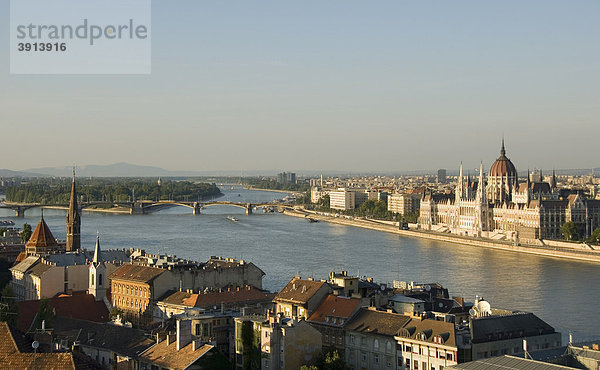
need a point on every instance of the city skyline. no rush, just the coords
(357, 88)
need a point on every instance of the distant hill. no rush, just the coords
(112, 170)
(11, 173)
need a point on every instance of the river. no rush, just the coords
(563, 293)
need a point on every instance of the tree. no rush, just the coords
(9, 309)
(327, 359)
(114, 312)
(569, 230)
(25, 233)
(45, 313)
(595, 238)
(323, 203)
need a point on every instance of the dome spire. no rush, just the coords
(502, 149)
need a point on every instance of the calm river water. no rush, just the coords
(566, 294)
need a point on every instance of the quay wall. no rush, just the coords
(548, 251)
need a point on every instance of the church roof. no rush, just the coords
(42, 236)
(503, 166)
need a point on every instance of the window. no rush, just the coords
(340, 341)
(352, 339)
(388, 346)
(100, 279)
(363, 355)
(333, 339)
(376, 344)
(450, 356)
(376, 358)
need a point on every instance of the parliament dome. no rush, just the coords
(503, 167)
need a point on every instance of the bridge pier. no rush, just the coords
(137, 209)
(196, 208)
(20, 211)
(248, 209)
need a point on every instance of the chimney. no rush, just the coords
(184, 333)
(157, 338)
(195, 345)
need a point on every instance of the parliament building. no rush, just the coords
(502, 208)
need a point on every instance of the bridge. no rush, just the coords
(141, 207)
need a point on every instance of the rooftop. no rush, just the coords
(371, 321)
(12, 355)
(81, 306)
(136, 273)
(166, 355)
(299, 290)
(230, 295)
(335, 306)
(120, 339)
(508, 362)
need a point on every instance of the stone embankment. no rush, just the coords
(547, 250)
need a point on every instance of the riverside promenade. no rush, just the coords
(548, 251)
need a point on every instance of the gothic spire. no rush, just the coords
(73, 220)
(97, 255)
(502, 149)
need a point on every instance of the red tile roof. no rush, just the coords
(334, 306)
(42, 236)
(136, 273)
(83, 307)
(299, 291)
(11, 356)
(247, 294)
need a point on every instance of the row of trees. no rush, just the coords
(109, 190)
(268, 183)
(376, 209)
(570, 232)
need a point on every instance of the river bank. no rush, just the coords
(555, 252)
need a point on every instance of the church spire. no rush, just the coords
(73, 220)
(97, 254)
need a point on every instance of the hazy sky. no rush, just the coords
(326, 85)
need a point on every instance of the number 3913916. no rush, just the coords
(42, 46)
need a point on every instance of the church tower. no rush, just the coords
(73, 221)
(97, 274)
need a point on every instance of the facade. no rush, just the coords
(342, 199)
(134, 289)
(504, 333)
(288, 344)
(370, 342)
(274, 342)
(300, 298)
(329, 319)
(73, 220)
(426, 344)
(38, 277)
(404, 204)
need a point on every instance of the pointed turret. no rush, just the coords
(459, 184)
(41, 241)
(553, 179)
(73, 220)
(502, 149)
(97, 274)
(97, 255)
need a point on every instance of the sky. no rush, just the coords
(314, 86)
